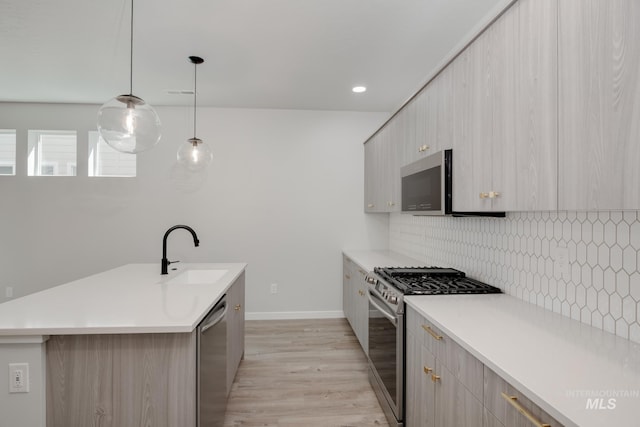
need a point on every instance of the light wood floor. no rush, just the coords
(302, 373)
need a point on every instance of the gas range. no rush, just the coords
(392, 283)
(386, 324)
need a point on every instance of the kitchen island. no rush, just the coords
(116, 348)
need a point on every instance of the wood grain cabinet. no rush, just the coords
(446, 386)
(444, 382)
(235, 328)
(505, 406)
(382, 170)
(354, 300)
(504, 97)
(427, 120)
(599, 104)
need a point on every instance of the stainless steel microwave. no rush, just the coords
(426, 185)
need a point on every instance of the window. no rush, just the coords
(7, 152)
(105, 161)
(52, 153)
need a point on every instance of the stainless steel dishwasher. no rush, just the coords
(212, 366)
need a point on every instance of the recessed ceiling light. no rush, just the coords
(359, 89)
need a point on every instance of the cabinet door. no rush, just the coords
(472, 115)
(419, 386)
(455, 405)
(525, 119)
(536, 107)
(599, 104)
(505, 113)
(409, 146)
(428, 409)
(370, 175)
(414, 401)
(505, 413)
(347, 289)
(235, 329)
(390, 167)
(443, 86)
(361, 309)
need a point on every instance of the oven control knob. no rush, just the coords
(393, 300)
(371, 280)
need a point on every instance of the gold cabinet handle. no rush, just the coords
(490, 195)
(435, 378)
(423, 148)
(237, 307)
(362, 271)
(390, 204)
(427, 370)
(431, 332)
(370, 205)
(346, 276)
(513, 401)
(361, 292)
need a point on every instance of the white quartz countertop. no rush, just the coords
(557, 362)
(134, 298)
(370, 259)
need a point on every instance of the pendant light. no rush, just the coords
(127, 123)
(195, 154)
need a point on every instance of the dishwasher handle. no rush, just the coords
(217, 319)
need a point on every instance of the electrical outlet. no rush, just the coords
(274, 288)
(18, 377)
(8, 292)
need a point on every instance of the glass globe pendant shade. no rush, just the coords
(195, 154)
(128, 124)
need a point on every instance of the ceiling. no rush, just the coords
(293, 54)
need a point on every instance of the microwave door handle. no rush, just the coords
(381, 309)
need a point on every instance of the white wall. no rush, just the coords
(23, 409)
(284, 193)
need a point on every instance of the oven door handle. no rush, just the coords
(381, 309)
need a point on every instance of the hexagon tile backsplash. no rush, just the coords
(525, 255)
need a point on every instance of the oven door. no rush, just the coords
(386, 341)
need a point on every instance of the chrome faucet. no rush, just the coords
(165, 261)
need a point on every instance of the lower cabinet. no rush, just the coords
(446, 386)
(121, 380)
(444, 382)
(355, 303)
(505, 406)
(235, 329)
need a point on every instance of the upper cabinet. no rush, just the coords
(382, 171)
(427, 120)
(504, 98)
(542, 111)
(599, 104)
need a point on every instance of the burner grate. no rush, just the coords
(433, 281)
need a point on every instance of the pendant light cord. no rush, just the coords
(195, 96)
(131, 54)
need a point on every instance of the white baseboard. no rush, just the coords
(283, 315)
